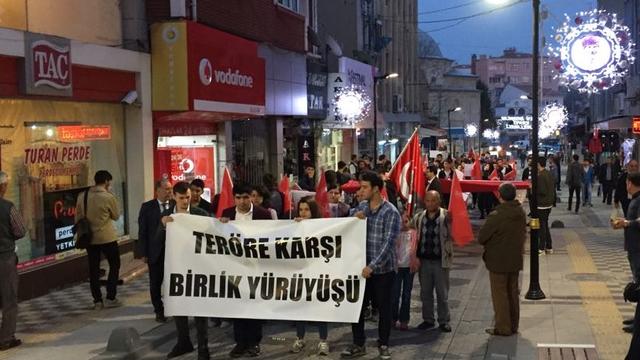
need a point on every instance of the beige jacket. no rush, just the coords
(103, 210)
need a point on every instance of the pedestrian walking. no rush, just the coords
(247, 333)
(503, 237)
(102, 209)
(435, 252)
(11, 229)
(574, 180)
(546, 199)
(184, 205)
(607, 176)
(383, 227)
(151, 249)
(631, 226)
(587, 183)
(408, 264)
(621, 196)
(309, 209)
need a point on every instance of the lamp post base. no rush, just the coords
(534, 293)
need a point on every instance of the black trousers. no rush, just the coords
(544, 241)
(112, 254)
(379, 286)
(247, 332)
(156, 276)
(184, 337)
(607, 191)
(634, 347)
(575, 189)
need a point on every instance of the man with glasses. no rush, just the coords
(247, 333)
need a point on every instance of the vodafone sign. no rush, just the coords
(225, 73)
(47, 65)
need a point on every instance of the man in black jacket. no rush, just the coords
(182, 196)
(631, 226)
(621, 195)
(575, 178)
(197, 189)
(607, 176)
(152, 251)
(247, 333)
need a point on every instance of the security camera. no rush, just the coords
(130, 98)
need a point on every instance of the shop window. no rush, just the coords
(290, 4)
(55, 148)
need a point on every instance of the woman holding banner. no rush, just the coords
(309, 209)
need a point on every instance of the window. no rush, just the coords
(512, 112)
(289, 4)
(521, 112)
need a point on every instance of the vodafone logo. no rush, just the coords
(205, 72)
(231, 77)
(186, 165)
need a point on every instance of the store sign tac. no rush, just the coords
(84, 133)
(47, 65)
(636, 125)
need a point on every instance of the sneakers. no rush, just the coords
(253, 351)
(445, 328)
(384, 352)
(323, 348)
(298, 346)
(112, 303)
(426, 325)
(98, 305)
(353, 351)
(540, 252)
(549, 251)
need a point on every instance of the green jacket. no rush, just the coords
(503, 236)
(546, 189)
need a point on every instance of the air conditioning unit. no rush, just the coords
(178, 8)
(398, 103)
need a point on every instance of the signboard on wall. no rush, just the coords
(306, 152)
(636, 125)
(47, 65)
(186, 164)
(59, 218)
(316, 90)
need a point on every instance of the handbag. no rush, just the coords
(82, 228)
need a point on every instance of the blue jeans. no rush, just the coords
(402, 291)
(586, 196)
(301, 329)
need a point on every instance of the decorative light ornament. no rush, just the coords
(351, 103)
(553, 118)
(470, 130)
(594, 51)
(491, 134)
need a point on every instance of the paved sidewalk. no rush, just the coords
(582, 281)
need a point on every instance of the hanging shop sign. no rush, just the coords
(316, 90)
(636, 125)
(47, 65)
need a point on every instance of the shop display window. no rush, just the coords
(51, 150)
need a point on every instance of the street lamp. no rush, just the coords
(535, 292)
(451, 154)
(375, 111)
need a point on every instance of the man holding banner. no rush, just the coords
(182, 197)
(247, 333)
(383, 227)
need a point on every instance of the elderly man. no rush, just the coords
(503, 237)
(435, 251)
(11, 229)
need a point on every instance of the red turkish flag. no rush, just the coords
(510, 176)
(460, 225)
(322, 197)
(472, 154)
(226, 193)
(285, 189)
(408, 173)
(476, 171)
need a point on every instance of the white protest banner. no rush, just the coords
(265, 269)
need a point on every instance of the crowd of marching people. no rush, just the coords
(402, 238)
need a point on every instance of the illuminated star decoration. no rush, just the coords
(491, 134)
(552, 118)
(351, 103)
(470, 130)
(594, 51)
